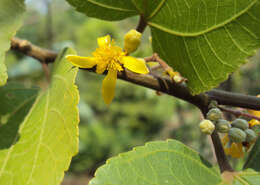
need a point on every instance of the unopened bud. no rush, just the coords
(177, 78)
(132, 41)
(214, 114)
(207, 127)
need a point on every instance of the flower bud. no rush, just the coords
(240, 123)
(223, 126)
(207, 127)
(250, 135)
(214, 114)
(237, 135)
(132, 40)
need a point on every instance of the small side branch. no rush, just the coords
(238, 113)
(27, 48)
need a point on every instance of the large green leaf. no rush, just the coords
(158, 163)
(248, 177)
(16, 101)
(253, 160)
(206, 40)
(105, 9)
(11, 15)
(48, 137)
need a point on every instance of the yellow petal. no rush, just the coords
(135, 65)
(103, 41)
(236, 150)
(83, 62)
(108, 86)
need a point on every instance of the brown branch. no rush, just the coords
(27, 48)
(238, 113)
(220, 154)
(159, 83)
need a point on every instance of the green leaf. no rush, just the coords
(11, 16)
(48, 135)
(16, 101)
(158, 163)
(247, 177)
(253, 160)
(111, 10)
(206, 40)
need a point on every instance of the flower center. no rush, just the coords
(108, 57)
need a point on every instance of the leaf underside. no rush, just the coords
(204, 40)
(11, 16)
(48, 136)
(161, 162)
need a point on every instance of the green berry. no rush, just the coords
(214, 114)
(240, 123)
(237, 135)
(223, 126)
(250, 135)
(213, 104)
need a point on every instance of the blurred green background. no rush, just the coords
(137, 114)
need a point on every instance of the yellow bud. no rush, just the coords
(132, 41)
(177, 78)
(207, 127)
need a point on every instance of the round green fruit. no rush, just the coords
(240, 123)
(250, 135)
(214, 114)
(223, 126)
(237, 135)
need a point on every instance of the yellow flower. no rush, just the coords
(235, 150)
(112, 58)
(253, 122)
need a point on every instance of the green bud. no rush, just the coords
(223, 126)
(250, 135)
(240, 123)
(237, 135)
(207, 127)
(213, 104)
(214, 114)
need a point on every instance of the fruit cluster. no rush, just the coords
(238, 130)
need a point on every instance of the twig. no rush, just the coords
(220, 154)
(46, 71)
(238, 113)
(159, 83)
(29, 49)
(141, 25)
(155, 58)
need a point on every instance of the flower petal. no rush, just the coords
(103, 41)
(83, 62)
(135, 65)
(236, 150)
(108, 86)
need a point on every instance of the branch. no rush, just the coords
(238, 113)
(159, 83)
(27, 48)
(141, 25)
